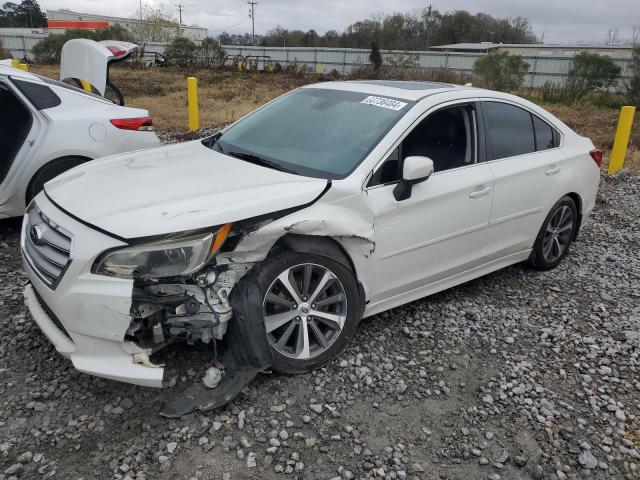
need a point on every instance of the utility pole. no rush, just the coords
(427, 26)
(140, 10)
(180, 10)
(30, 8)
(252, 16)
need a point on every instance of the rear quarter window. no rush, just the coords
(40, 96)
(546, 136)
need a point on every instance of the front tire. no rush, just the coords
(555, 235)
(311, 307)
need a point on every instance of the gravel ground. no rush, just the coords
(517, 375)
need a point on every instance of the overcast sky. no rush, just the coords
(559, 20)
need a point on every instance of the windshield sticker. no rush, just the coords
(384, 103)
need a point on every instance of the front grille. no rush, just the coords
(56, 321)
(46, 246)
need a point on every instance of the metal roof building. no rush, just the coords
(538, 49)
(60, 20)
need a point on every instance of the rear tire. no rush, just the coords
(327, 314)
(555, 236)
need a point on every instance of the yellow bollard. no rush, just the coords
(192, 99)
(623, 132)
(86, 85)
(23, 66)
(319, 69)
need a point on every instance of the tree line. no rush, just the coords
(26, 14)
(401, 31)
(397, 31)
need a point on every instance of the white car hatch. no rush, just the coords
(89, 60)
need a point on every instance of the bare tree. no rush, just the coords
(613, 36)
(157, 25)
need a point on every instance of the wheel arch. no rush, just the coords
(578, 201)
(51, 164)
(320, 245)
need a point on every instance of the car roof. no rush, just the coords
(403, 89)
(18, 73)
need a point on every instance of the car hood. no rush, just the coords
(174, 189)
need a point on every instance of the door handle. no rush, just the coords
(552, 170)
(481, 191)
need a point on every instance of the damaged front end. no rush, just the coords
(180, 294)
(198, 309)
(189, 309)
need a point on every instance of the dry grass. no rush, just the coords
(599, 124)
(225, 96)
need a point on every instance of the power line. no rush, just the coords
(252, 16)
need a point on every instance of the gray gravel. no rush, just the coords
(517, 375)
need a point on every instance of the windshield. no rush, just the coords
(315, 132)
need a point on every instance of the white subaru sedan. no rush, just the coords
(331, 203)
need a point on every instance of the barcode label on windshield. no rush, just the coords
(384, 103)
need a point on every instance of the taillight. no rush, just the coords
(596, 154)
(116, 51)
(141, 124)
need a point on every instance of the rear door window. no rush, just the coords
(509, 130)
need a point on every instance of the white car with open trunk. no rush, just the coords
(48, 127)
(334, 202)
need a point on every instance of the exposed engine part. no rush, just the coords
(158, 334)
(196, 310)
(206, 279)
(212, 377)
(191, 306)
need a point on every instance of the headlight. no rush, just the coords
(171, 257)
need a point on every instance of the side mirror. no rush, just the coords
(414, 170)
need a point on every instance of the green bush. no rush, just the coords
(48, 49)
(4, 53)
(181, 51)
(501, 71)
(211, 51)
(590, 72)
(375, 57)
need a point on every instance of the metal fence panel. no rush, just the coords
(542, 68)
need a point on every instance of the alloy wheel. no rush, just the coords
(304, 311)
(557, 235)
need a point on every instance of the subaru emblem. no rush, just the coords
(36, 235)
